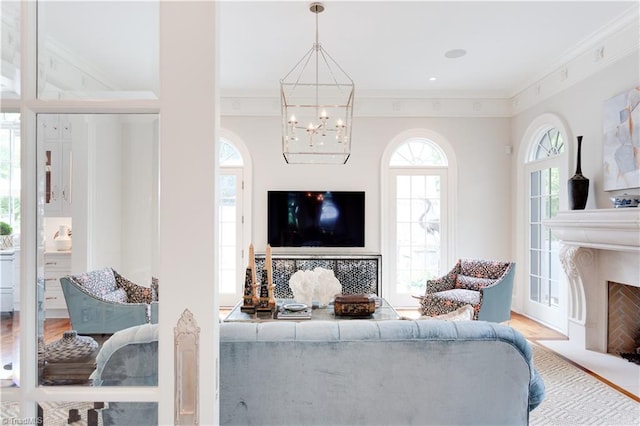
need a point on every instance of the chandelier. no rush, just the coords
(317, 108)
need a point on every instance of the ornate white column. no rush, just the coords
(587, 312)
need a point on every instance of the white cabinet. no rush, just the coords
(55, 136)
(56, 266)
(7, 280)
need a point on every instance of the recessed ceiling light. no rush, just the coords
(455, 53)
(432, 78)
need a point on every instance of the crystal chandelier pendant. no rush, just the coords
(317, 99)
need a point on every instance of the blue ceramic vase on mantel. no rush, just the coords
(578, 185)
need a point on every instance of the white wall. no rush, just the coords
(105, 201)
(139, 200)
(581, 107)
(482, 217)
(122, 194)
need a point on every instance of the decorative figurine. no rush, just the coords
(249, 299)
(271, 286)
(266, 300)
(263, 299)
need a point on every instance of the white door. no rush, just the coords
(231, 273)
(546, 298)
(416, 212)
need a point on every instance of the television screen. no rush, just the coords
(315, 218)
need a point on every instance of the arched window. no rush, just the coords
(545, 172)
(233, 225)
(417, 207)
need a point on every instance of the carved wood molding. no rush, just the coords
(186, 369)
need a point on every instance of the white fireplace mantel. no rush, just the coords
(597, 246)
(606, 229)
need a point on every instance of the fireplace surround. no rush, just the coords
(597, 247)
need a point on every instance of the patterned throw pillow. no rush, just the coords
(135, 293)
(118, 296)
(483, 268)
(464, 313)
(99, 282)
(473, 283)
(155, 286)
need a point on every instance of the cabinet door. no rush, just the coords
(57, 265)
(66, 178)
(52, 179)
(55, 135)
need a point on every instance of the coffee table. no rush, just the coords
(384, 311)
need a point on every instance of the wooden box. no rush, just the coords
(360, 305)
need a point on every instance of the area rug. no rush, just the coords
(54, 414)
(577, 398)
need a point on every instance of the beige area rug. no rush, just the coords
(577, 398)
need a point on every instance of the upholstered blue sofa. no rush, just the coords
(349, 372)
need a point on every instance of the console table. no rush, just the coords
(358, 274)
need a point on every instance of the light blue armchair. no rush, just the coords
(486, 285)
(103, 302)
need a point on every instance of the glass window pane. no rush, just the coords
(535, 262)
(229, 155)
(418, 152)
(403, 233)
(534, 288)
(10, 39)
(10, 252)
(535, 210)
(418, 186)
(403, 212)
(106, 179)
(403, 186)
(536, 238)
(98, 49)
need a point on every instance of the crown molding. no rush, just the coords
(602, 49)
(589, 58)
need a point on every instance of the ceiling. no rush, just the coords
(389, 48)
(393, 47)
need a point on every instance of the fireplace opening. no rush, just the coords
(623, 312)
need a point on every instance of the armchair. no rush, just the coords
(484, 284)
(103, 302)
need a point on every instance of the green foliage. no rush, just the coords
(5, 228)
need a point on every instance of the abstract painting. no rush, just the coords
(621, 141)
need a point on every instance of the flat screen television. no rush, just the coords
(315, 218)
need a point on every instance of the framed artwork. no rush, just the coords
(621, 141)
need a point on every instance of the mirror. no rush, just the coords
(98, 248)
